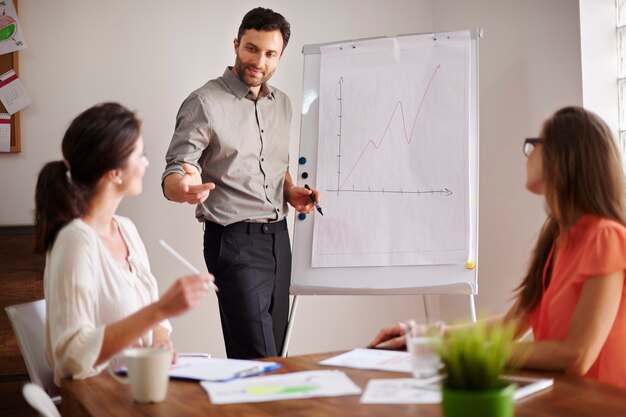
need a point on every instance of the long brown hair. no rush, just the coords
(583, 174)
(98, 140)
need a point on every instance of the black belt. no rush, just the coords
(249, 227)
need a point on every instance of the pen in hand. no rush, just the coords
(184, 261)
(313, 199)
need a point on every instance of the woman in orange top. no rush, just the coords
(573, 296)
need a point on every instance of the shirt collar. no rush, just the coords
(241, 90)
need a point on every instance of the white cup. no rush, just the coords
(147, 370)
(420, 337)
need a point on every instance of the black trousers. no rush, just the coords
(251, 263)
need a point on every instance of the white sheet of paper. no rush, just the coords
(392, 160)
(12, 93)
(527, 385)
(216, 369)
(5, 132)
(307, 384)
(400, 391)
(380, 360)
(414, 391)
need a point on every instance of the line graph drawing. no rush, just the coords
(443, 191)
(392, 158)
(376, 144)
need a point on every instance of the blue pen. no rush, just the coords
(313, 199)
(255, 370)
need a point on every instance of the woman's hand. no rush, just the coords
(186, 293)
(161, 339)
(391, 337)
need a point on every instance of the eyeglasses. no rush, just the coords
(530, 144)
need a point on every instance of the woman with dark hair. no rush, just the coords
(100, 294)
(573, 296)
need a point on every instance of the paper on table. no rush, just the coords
(381, 360)
(527, 385)
(414, 391)
(216, 369)
(400, 391)
(295, 385)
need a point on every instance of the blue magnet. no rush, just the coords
(302, 160)
(301, 216)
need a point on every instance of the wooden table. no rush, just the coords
(103, 396)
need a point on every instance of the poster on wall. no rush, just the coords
(11, 38)
(5, 132)
(13, 95)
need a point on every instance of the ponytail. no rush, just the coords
(58, 201)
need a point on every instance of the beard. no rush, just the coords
(244, 76)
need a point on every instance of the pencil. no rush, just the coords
(183, 261)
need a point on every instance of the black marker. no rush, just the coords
(313, 199)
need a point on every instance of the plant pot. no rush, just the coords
(492, 403)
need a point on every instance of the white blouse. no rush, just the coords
(86, 289)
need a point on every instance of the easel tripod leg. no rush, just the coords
(472, 307)
(292, 314)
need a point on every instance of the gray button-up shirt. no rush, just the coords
(239, 143)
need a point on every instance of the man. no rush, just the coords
(229, 155)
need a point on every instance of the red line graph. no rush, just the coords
(408, 137)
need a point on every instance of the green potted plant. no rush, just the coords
(474, 359)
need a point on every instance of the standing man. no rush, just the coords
(229, 155)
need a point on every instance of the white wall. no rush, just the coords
(599, 59)
(529, 67)
(150, 54)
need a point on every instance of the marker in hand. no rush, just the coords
(313, 199)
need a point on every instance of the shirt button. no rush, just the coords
(262, 159)
(266, 186)
(262, 131)
(266, 228)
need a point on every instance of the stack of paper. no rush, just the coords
(201, 368)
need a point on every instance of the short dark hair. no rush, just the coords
(265, 19)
